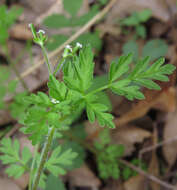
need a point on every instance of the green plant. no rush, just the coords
(57, 21)
(47, 117)
(107, 156)
(136, 21)
(155, 49)
(128, 172)
(7, 19)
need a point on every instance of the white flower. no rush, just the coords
(79, 45)
(54, 101)
(41, 31)
(29, 25)
(69, 47)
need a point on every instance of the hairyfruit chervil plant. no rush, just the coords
(49, 115)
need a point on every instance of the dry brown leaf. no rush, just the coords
(167, 101)
(128, 136)
(164, 101)
(83, 177)
(37, 6)
(114, 185)
(5, 117)
(158, 28)
(160, 9)
(170, 131)
(172, 6)
(7, 184)
(2, 2)
(20, 32)
(91, 128)
(56, 8)
(23, 181)
(135, 183)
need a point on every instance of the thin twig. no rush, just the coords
(72, 38)
(150, 148)
(147, 175)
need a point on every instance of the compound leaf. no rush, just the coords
(72, 7)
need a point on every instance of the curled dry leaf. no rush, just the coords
(135, 183)
(7, 184)
(167, 101)
(170, 131)
(128, 136)
(83, 177)
(164, 100)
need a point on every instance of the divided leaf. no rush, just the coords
(72, 7)
(107, 156)
(58, 159)
(7, 17)
(11, 156)
(142, 75)
(124, 88)
(155, 49)
(57, 89)
(78, 73)
(120, 68)
(98, 111)
(57, 21)
(137, 17)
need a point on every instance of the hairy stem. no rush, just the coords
(59, 66)
(43, 158)
(98, 90)
(46, 59)
(32, 167)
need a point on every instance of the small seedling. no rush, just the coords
(136, 21)
(155, 49)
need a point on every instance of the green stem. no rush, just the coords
(24, 165)
(58, 68)
(32, 167)
(43, 158)
(46, 59)
(98, 90)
